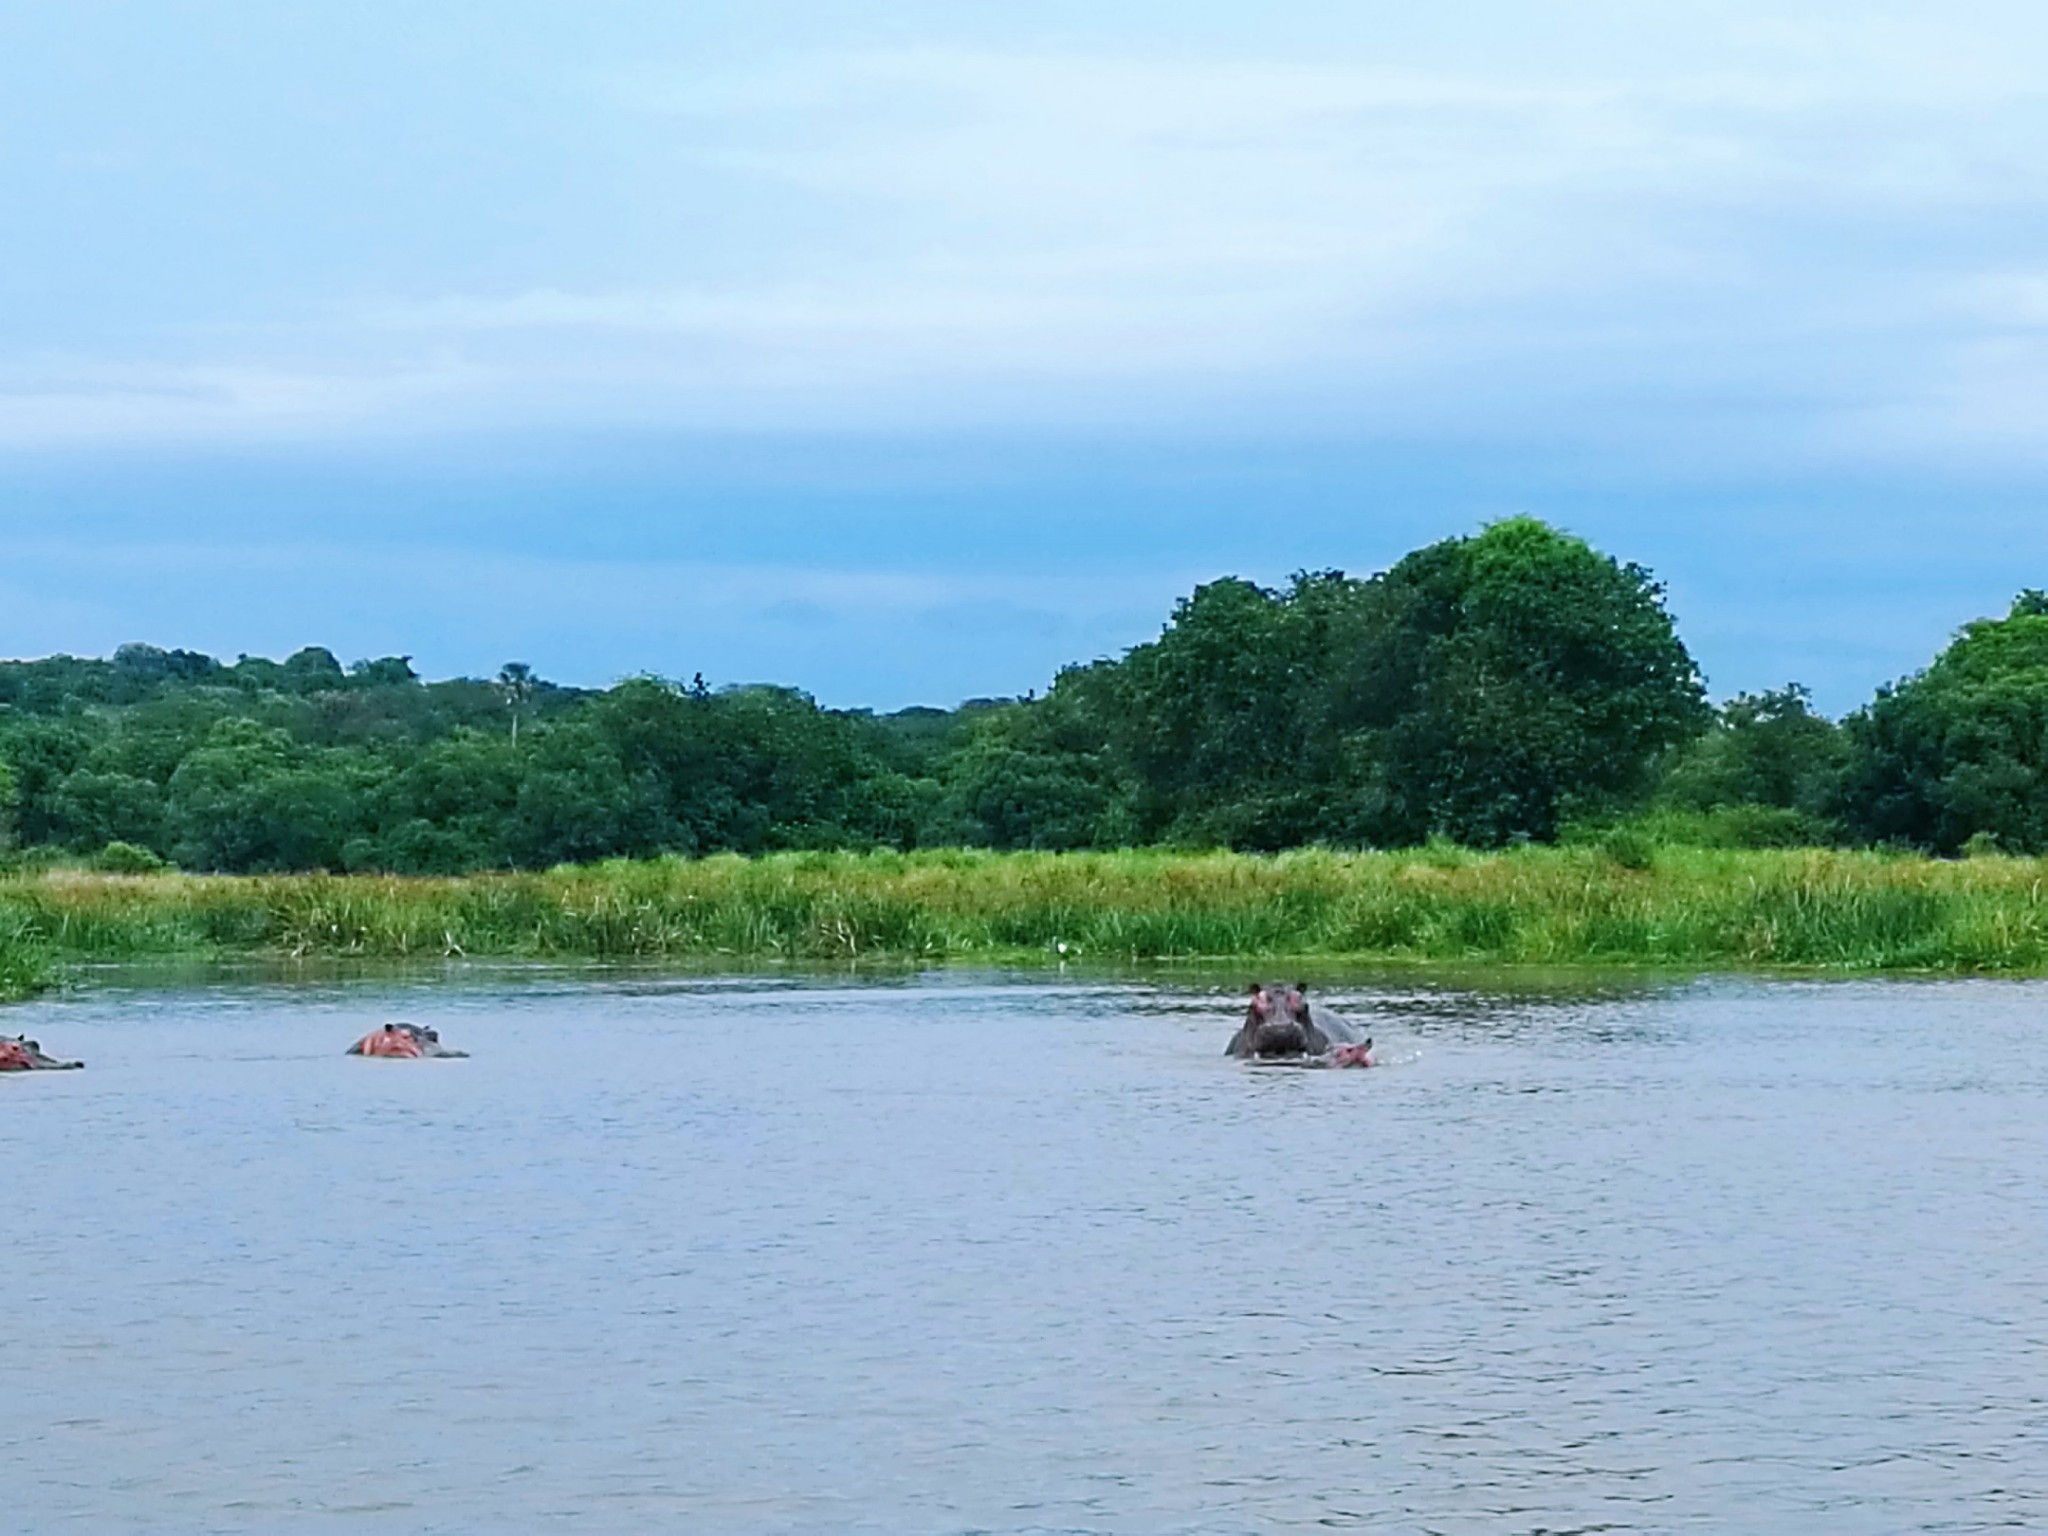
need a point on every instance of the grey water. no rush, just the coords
(960, 1254)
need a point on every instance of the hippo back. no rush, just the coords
(1335, 1027)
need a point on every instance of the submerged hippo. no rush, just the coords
(403, 1041)
(1281, 1024)
(18, 1053)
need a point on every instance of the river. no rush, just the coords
(973, 1253)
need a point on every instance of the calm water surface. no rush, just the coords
(966, 1254)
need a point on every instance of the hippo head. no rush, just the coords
(427, 1038)
(18, 1053)
(1277, 1022)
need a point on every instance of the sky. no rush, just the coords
(907, 351)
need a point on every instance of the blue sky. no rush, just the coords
(907, 351)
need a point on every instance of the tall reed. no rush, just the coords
(1542, 906)
(26, 964)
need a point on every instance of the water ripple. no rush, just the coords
(949, 1255)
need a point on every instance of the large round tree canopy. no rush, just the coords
(1960, 750)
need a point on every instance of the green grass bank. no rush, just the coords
(1820, 910)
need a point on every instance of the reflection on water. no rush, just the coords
(958, 1254)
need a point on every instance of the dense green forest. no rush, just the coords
(1514, 686)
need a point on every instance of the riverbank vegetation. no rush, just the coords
(1514, 687)
(1608, 903)
(26, 963)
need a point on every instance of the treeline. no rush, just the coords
(1513, 686)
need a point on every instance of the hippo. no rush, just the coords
(402, 1042)
(1281, 1024)
(18, 1053)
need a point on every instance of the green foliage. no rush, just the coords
(27, 965)
(1962, 748)
(127, 859)
(1767, 773)
(1479, 690)
(1045, 774)
(1547, 677)
(1226, 720)
(1510, 687)
(314, 670)
(104, 806)
(251, 798)
(1756, 826)
(1629, 847)
(1483, 689)
(302, 765)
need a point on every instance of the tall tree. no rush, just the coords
(1541, 675)
(516, 682)
(1480, 689)
(1961, 749)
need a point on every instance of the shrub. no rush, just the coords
(119, 858)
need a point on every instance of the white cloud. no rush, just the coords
(934, 235)
(2016, 299)
(57, 403)
(1408, 243)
